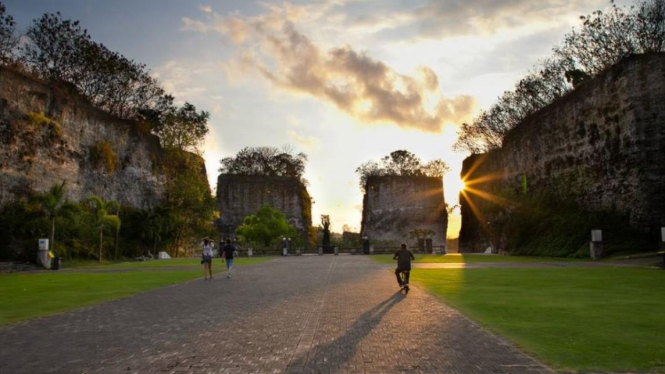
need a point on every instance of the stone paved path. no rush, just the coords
(309, 314)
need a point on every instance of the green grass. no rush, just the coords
(174, 262)
(468, 258)
(26, 296)
(605, 319)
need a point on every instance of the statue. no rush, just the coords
(325, 222)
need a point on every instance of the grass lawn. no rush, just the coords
(26, 296)
(174, 262)
(605, 319)
(455, 258)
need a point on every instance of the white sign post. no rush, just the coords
(42, 254)
(596, 246)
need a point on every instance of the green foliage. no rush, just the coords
(8, 38)
(61, 50)
(38, 119)
(547, 225)
(400, 163)
(265, 161)
(181, 128)
(102, 154)
(266, 227)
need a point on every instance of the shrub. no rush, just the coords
(102, 154)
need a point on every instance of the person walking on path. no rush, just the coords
(227, 254)
(403, 257)
(207, 258)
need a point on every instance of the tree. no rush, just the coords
(400, 163)
(182, 128)
(53, 203)
(102, 217)
(153, 226)
(61, 50)
(265, 227)
(8, 39)
(266, 161)
(604, 39)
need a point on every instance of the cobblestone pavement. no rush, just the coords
(308, 314)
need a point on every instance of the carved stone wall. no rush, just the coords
(602, 145)
(47, 134)
(395, 205)
(239, 196)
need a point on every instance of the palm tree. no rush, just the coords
(53, 203)
(152, 226)
(103, 218)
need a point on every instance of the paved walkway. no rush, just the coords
(309, 314)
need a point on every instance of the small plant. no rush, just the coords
(39, 119)
(102, 154)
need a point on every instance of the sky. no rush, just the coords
(344, 81)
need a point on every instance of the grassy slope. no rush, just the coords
(572, 318)
(26, 296)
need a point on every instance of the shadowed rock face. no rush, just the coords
(36, 154)
(602, 145)
(395, 205)
(239, 196)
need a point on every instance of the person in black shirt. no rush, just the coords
(227, 254)
(403, 257)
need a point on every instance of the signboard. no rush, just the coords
(43, 244)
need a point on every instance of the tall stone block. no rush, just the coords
(239, 196)
(602, 145)
(395, 205)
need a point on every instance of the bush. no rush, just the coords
(102, 154)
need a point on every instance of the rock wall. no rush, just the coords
(239, 196)
(395, 205)
(602, 145)
(49, 134)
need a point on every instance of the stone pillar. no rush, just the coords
(336, 251)
(250, 252)
(320, 251)
(596, 246)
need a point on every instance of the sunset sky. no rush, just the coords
(344, 81)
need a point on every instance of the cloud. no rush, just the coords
(307, 142)
(436, 19)
(363, 87)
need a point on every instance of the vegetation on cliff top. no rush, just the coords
(400, 163)
(265, 161)
(55, 49)
(604, 39)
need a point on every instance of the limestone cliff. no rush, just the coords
(50, 134)
(239, 196)
(602, 145)
(393, 206)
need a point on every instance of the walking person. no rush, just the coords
(403, 257)
(227, 255)
(207, 258)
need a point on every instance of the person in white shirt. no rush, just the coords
(207, 258)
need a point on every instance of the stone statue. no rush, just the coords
(325, 222)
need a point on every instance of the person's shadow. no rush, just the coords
(341, 350)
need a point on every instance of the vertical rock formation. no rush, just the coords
(602, 146)
(239, 196)
(49, 133)
(393, 206)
